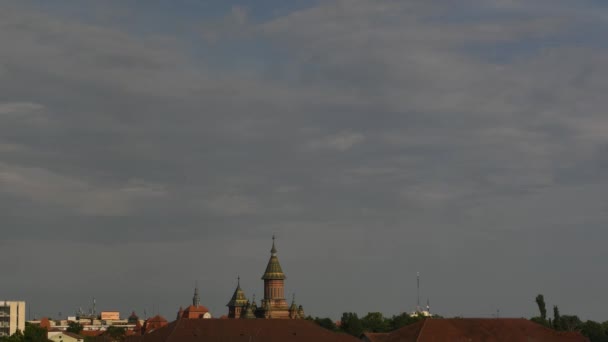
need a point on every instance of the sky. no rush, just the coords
(149, 145)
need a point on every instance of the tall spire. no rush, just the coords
(196, 300)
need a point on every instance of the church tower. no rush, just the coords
(274, 303)
(238, 302)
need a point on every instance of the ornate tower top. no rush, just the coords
(273, 269)
(196, 300)
(238, 298)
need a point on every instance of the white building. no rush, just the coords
(12, 317)
(62, 336)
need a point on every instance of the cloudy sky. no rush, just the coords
(146, 145)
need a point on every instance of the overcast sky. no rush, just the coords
(146, 145)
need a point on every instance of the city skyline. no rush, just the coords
(145, 147)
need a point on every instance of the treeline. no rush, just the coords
(32, 333)
(350, 322)
(595, 331)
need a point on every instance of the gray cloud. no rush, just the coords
(386, 139)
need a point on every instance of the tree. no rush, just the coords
(116, 333)
(74, 327)
(571, 322)
(374, 322)
(540, 301)
(16, 337)
(557, 320)
(402, 320)
(594, 331)
(34, 333)
(326, 323)
(351, 324)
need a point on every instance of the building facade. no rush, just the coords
(12, 317)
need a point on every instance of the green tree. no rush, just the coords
(116, 333)
(374, 322)
(557, 319)
(399, 321)
(16, 337)
(540, 301)
(326, 323)
(74, 327)
(594, 331)
(34, 333)
(571, 323)
(538, 320)
(351, 324)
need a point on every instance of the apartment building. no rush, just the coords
(12, 317)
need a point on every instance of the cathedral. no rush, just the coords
(274, 304)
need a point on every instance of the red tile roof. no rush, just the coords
(242, 330)
(375, 337)
(91, 333)
(199, 308)
(154, 323)
(476, 330)
(193, 312)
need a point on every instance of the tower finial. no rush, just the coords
(238, 281)
(273, 251)
(196, 300)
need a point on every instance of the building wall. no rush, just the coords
(12, 317)
(274, 289)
